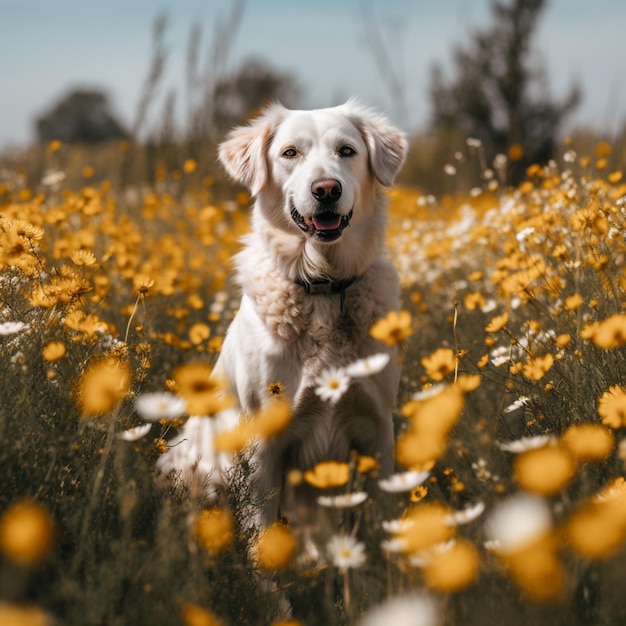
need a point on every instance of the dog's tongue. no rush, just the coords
(326, 221)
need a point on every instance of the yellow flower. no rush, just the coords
(437, 414)
(440, 363)
(545, 470)
(588, 442)
(189, 166)
(83, 257)
(328, 474)
(19, 615)
(415, 449)
(26, 533)
(392, 329)
(615, 177)
(103, 386)
(612, 407)
(214, 529)
(195, 616)
(574, 302)
(234, 440)
(468, 382)
(205, 392)
(54, 351)
(276, 547)
(143, 284)
(563, 340)
(424, 526)
(497, 323)
(597, 529)
(453, 568)
(366, 464)
(611, 332)
(198, 333)
(516, 152)
(536, 568)
(474, 301)
(275, 389)
(536, 368)
(272, 419)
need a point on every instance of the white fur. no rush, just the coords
(282, 334)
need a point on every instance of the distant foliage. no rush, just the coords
(82, 116)
(498, 95)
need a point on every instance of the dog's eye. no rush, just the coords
(347, 151)
(290, 153)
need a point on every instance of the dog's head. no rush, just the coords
(318, 169)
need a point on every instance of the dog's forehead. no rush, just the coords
(318, 125)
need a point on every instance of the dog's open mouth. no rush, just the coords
(325, 226)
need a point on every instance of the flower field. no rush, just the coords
(509, 501)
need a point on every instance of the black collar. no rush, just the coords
(323, 286)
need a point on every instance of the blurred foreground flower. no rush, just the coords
(103, 386)
(214, 529)
(26, 533)
(158, 405)
(196, 616)
(271, 419)
(328, 474)
(205, 392)
(544, 470)
(410, 610)
(520, 529)
(276, 547)
(15, 615)
(452, 569)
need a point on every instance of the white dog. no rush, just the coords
(314, 279)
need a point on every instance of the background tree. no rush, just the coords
(82, 116)
(252, 86)
(498, 95)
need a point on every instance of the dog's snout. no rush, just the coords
(326, 190)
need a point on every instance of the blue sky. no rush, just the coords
(49, 46)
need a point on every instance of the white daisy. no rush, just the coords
(368, 366)
(517, 521)
(332, 384)
(10, 328)
(467, 515)
(344, 501)
(133, 434)
(396, 526)
(346, 552)
(519, 403)
(394, 545)
(404, 481)
(410, 610)
(525, 443)
(159, 405)
(429, 392)
(421, 559)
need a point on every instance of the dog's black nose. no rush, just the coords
(326, 190)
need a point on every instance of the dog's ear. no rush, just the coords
(244, 152)
(387, 145)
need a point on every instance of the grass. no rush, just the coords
(511, 405)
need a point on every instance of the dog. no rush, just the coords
(314, 278)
